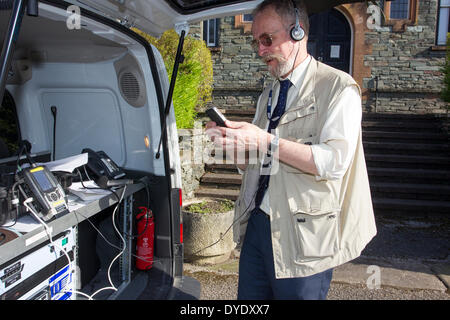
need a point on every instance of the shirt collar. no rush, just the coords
(298, 74)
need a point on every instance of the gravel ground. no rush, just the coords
(340, 291)
(223, 286)
(216, 286)
(418, 239)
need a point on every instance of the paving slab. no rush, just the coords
(398, 273)
(442, 270)
(372, 272)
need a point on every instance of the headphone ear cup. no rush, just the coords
(297, 33)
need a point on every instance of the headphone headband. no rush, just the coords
(297, 32)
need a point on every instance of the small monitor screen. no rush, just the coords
(42, 180)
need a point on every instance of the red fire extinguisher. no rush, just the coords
(145, 239)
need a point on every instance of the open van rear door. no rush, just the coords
(156, 16)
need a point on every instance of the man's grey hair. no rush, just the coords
(285, 9)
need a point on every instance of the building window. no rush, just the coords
(211, 32)
(244, 21)
(399, 9)
(247, 17)
(400, 13)
(443, 25)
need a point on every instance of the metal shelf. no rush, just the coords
(28, 241)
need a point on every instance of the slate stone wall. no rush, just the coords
(405, 69)
(406, 66)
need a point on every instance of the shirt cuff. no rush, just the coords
(330, 160)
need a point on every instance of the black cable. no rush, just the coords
(18, 159)
(232, 224)
(129, 236)
(24, 145)
(54, 111)
(96, 188)
(14, 197)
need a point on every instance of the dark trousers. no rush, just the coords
(257, 273)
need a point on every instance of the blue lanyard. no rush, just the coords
(269, 106)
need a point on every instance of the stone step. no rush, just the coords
(416, 191)
(407, 159)
(410, 206)
(404, 137)
(221, 168)
(237, 111)
(437, 149)
(408, 175)
(391, 175)
(222, 178)
(231, 194)
(385, 116)
(383, 160)
(246, 112)
(400, 126)
(380, 175)
(382, 204)
(372, 160)
(240, 118)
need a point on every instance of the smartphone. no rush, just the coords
(215, 115)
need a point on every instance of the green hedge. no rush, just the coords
(193, 86)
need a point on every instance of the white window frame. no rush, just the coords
(211, 41)
(443, 18)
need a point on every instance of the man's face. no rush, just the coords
(280, 54)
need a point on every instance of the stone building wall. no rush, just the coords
(191, 169)
(239, 75)
(196, 149)
(406, 67)
(398, 71)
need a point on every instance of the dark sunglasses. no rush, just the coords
(266, 39)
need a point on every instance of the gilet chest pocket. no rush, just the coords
(317, 235)
(299, 122)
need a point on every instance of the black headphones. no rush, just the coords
(297, 32)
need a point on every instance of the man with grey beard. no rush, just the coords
(305, 204)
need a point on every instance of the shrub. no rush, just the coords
(193, 86)
(211, 206)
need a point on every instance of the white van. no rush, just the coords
(81, 90)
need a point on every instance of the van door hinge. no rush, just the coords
(182, 26)
(127, 22)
